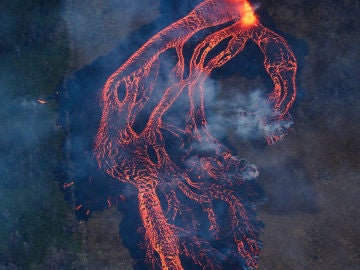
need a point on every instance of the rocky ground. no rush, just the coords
(314, 223)
(96, 27)
(42, 42)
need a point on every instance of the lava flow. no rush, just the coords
(197, 208)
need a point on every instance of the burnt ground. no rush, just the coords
(312, 217)
(311, 178)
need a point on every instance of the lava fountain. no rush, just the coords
(169, 190)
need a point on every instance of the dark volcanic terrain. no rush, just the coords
(311, 178)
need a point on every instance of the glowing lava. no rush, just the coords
(246, 12)
(42, 101)
(206, 174)
(248, 17)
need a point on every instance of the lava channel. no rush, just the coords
(196, 207)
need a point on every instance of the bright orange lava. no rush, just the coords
(247, 14)
(245, 11)
(206, 178)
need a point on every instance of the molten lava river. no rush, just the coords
(195, 197)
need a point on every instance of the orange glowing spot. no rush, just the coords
(247, 15)
(77, 208)
(109, 203)
(67, 185)
(42, 101)
(87, 212)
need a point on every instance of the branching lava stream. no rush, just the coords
(208, 178)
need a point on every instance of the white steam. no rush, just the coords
(247, 115)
